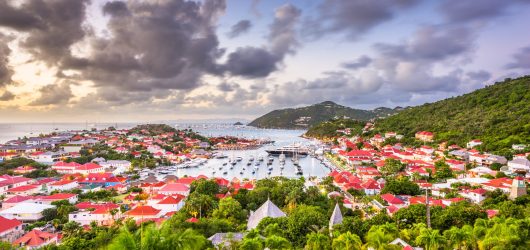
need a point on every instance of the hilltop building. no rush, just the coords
(518, 187)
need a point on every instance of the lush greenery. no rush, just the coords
(329, 128)
(462, 225)
(287, 118)
(497, 114)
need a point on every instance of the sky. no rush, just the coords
(149, 60)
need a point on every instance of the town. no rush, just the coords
(62, 186)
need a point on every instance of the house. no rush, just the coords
(393, 200)
(10, 229)
(174, 188)
(62, 185)
(371, 187)
(24, 169)
(424, 136)
(170, 203)
(474, 143)
(143, 212)
(102, 214)
(71, 198)
(7, 203)
(25, 211)
(268, 209)
(35, 239)
(24, 190)
(475, 195)
(7, 182)
(519, 164)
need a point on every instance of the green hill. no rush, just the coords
(305, 117)
(498, 114)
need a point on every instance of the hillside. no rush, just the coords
(305, 117)
(330, 129)
(499, 115)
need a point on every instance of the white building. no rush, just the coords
(25, 211)
(519, 164)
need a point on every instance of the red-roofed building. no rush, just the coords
(393, 200)
(371, 187)
(15, 200)
(174, 188)
(36, 239)
(71, 198)
(24, 190)
(101, 213)
(142, 212)
(62, 185)
(10, 229)
(425, 136)
(170, 204)
(24, 169)
(475, 195)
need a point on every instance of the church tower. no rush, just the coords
(518, 187)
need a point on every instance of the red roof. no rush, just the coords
(174, 187)
(192, 220)
(58, 196)
(34, 238)
(22, 188)
(391, 199)
(7, 224)
(170, 200)
(17, 199)
(143, 210)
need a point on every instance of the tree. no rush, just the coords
(277, 242)
(392, 167)
(251, 244)
(401, 186)
(458, 237)
(301, 220)
(347, 241)
(431, 239)
(443, 171)
(317, 241)
(204, 186)
(231, 210)
(151, 237)
(377, 239)
(49, 214)
(200, 204)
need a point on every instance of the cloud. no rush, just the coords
(7, 96)
(52, 27)
(475, 10)
(352, 18)
(253, 62)
(521, 59)
(339, 86)
(361, 62)
(153, 45)
(227, 87)
(239, 28)
(254, 8)
(5, 70)
(54, 94)
(431, 43)
(480, 75)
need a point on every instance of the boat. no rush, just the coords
(281, 157)
(233, 163)
(269, 173)
(289, 150)
(260, 158)
(220, 156)
(239, 158)
(251, 158)
(249, 163)
(224, 164)
(225, 173)
(270, 168)
(241, 172)
(221, 168)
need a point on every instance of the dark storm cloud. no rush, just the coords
(153, 45)
(480, 75)
(54, 94)
(5, 70)
(521, 59)
(227, 87)
(353, 18)
(472, 10)
(253, 62)
(361, 62)
(7, 96)
(51, 26)
(239, 28)
(432, 43)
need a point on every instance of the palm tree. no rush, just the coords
(317, 241)
(377, 238)
(456, 237)
(431, 239)
(151, 237)
(347, 241)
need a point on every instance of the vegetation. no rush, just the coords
(498, 115)
(292, 118)
(328, 129)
